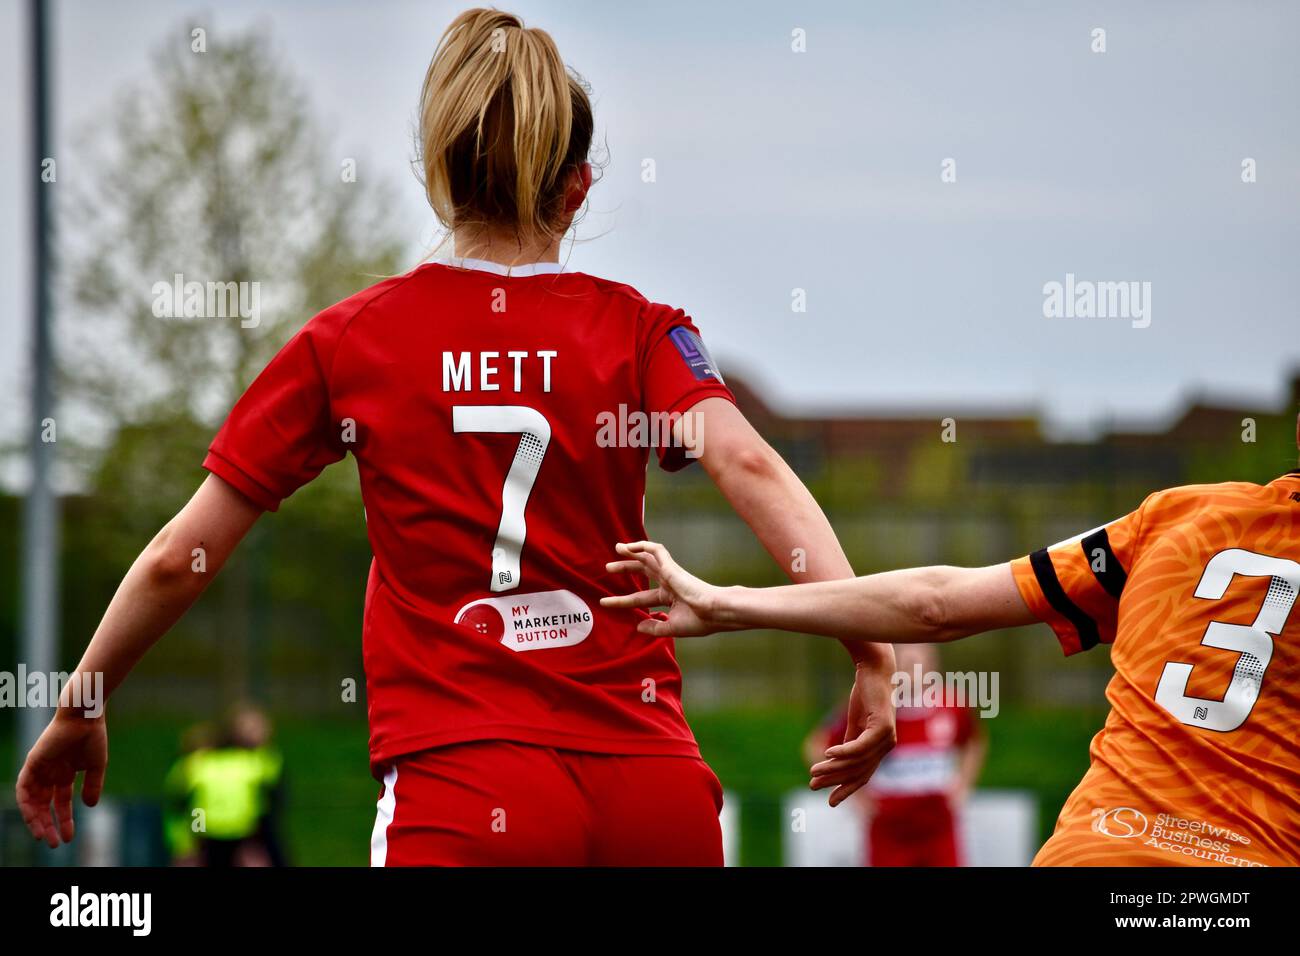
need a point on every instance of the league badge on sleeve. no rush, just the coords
(694, 354)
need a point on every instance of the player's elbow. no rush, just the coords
(751, 463)
(932, 610)
(168, 565)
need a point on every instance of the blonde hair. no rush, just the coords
(502, 121)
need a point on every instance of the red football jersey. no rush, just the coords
(501, 425)
(926, 757)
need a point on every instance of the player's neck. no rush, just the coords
(503, 248)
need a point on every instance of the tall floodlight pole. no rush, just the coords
(40, 512)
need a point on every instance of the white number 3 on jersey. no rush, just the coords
(1253, 643)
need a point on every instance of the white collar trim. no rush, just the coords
(523, 269)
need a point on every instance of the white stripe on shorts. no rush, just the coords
(383, 817)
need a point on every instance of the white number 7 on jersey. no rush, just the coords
(534, 437)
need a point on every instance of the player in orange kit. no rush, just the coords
(1199, 760)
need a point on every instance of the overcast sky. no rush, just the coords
(821, 171)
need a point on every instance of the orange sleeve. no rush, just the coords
(1075, 586)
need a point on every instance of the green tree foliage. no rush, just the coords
(213, 169)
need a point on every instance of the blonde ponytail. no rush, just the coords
(501, 123)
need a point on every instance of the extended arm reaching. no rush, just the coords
(916, 605)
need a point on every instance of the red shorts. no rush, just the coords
(498, 803)
(920, 831)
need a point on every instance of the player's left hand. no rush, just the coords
(71, 744)
(869, 736)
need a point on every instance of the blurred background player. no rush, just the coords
(1199, 760)
(911, 808)
(180, 835)
(223, 797)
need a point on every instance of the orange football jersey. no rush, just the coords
(1199, 759)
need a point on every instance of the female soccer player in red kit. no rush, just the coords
(513, 720)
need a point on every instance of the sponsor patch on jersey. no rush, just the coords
(529, 622)
(694, 354)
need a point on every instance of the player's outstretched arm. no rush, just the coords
(163, 582)
(918, 605)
